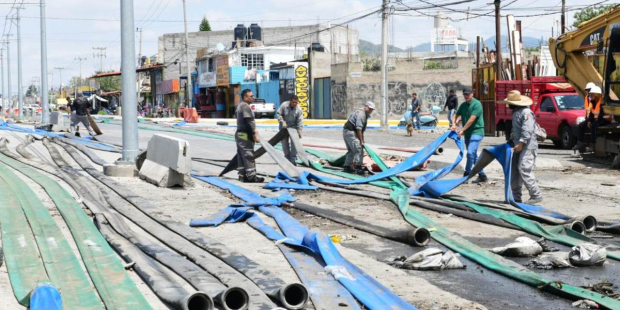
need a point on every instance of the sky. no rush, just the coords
(75, 27)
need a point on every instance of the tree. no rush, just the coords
(32, 91)
(75, 81)
(590, 13)
(204, 25)
(109, 83)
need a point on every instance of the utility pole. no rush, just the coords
(384, 73)
(8, 74)
(80, 59)
(20, 90)
(563, 17)
(140, 46)
(2, 77)
(188, 91)
(128, 76)
(498, 42)
(101, 54)
(60, 74)
(45, 117)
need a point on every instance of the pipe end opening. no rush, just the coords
(578, 227)
(590, 223)
(419, 237)
(294, 296)
(235, 298)
(199, 301)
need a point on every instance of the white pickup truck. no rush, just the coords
(261, 108)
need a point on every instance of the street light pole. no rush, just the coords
(45, 117)
(384, 73)
(20, 91)
(188, 92)
(128, 76)
(498, 44)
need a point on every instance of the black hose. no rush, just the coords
(143, 217)
(232, 165)
(197, 277)
(21, 148)
(413, 237)
(153, 275)
(474, 216)
(90, 154)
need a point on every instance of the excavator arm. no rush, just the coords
(569, 56)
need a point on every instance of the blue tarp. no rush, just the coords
(45, 297)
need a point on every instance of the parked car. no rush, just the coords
(263, 109)
(557, 107)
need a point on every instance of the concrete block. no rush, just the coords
(56, 118)
(120, 170)
(159, 175)
(170, 152)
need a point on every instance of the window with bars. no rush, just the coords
(253, 61)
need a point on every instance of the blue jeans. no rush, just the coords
(417, 119)
(450, 114)
(472, 142)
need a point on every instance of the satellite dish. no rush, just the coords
(220, 47)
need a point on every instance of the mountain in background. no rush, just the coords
(375, 49)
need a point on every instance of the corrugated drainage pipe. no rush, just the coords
(576, 226)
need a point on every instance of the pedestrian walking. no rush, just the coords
(245, 138)
(469, 116)
(353, 135)
(291, 116)
(82, 108)
(415, 111)
(452, 103)
(525, 148)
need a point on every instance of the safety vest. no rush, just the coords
(587, 105)
(596, 110)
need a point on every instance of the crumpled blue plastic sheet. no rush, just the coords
(365, 288)
(284, 181)
(17, 128)
(45, 297)
(250, 198)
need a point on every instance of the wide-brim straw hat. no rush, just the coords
(515, 98)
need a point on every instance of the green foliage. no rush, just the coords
(75, 81)
(590, 13)
(204, 25)
(102, 112)
(32, 91)
(109, 83)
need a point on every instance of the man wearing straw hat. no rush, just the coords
(525, 147)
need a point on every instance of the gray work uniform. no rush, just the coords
(294, 118)
(357, 121)
(523, 124)
(81, 106)
(244, 138)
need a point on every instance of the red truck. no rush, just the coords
(557, 106)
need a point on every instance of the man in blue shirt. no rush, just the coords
(415, 111)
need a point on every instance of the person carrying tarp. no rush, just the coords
(82, 108)
(525, 148)
(245, 138)
(470, 115)
(353, 134)
(290, 115)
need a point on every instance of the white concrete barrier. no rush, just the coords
(56, 118)
(167, 161)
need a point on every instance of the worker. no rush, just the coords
(290, 115)
(415, 111)
(595, 118)
(525, 148)
(82, 108)
(70, 109)
(245, 138)
(469, 116)
(586, 100)
(353, 134)
(452, 102)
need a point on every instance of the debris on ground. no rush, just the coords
(550, 261)
(588, 254)
(429, 259)
(604, 288)
(585, 304)
(522, 247)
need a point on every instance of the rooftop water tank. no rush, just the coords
(240, 32)
(255, 32)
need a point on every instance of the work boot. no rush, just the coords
(348, 170)
(578, 146)
(361, 172)
(255, 179)
(465, 174)
(534, 201)
(482, 178)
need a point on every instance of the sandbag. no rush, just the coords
(550, 261)
(522, 247)
(588, 254)
(429, 259)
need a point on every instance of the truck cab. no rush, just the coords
(558, 108)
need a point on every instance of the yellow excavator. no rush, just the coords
(591, 53)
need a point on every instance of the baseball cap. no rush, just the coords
(466, 90)
(369, 104)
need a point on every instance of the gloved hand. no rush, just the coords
(284, 126)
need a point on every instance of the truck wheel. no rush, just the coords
(567, 138)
